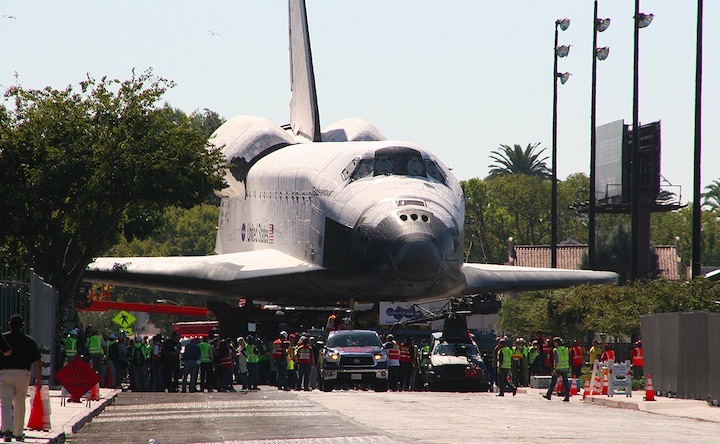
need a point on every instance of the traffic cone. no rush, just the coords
(597, 385)
(574, 387)
(586, 389)
(605, 382)
(649, 390)
(108, 378)
(95, 392)
(559, 387)
(37, 420)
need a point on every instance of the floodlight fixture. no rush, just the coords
(602, 53)
(564, 24)
(563, 76)
(602, 24)
(644, 20)
(562, 51)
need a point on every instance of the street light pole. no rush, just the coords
(562, 51)
(697, 192)
(641, 21)
(598, 26)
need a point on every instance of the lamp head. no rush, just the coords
(602, 53)
(563, 23)
(563, 76)
(562, 51)
(644, 20)
(602, 24)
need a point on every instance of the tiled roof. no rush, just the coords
(569, 257)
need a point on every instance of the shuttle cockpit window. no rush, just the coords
(397, 161)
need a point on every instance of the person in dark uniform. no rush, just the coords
(15, 376)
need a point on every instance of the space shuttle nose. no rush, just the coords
(418, 260)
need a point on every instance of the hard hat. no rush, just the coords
(74, 331)
(283, 334)
(112, 336)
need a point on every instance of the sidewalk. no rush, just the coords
(67, 419)
(681, 408)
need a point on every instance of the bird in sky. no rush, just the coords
(9, 16)
(214, 33)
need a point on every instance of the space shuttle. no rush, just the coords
(314, 216)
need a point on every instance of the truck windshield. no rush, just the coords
(355, 339)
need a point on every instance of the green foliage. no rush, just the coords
(517, 206)
(612, 310)
(82, 166)
(514, 160)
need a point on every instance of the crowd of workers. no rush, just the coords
(515, 363)
(290, 362)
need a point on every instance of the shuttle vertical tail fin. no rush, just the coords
(304, 114)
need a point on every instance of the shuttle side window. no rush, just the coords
(363, 169)
(349, 168)
(434, 171)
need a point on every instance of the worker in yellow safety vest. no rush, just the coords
(561, 367)
(504, 364)
(71, 345)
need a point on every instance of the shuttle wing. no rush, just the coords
(216, 275)
(485, 278)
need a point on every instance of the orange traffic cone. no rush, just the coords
(108, 378)
(559, 387)
(605, 382)
(95, 392)
(38, 420)
(649, 390)
(586, 389)
(574, 387)
(597, 385)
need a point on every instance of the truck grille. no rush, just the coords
(356, 360)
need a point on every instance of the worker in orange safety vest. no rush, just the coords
(576, 358)
(637, 361)
(406, 358)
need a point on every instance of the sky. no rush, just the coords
(458, 77)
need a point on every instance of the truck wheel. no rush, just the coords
(327, 386)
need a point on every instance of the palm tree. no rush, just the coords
(515, 160)
(712, 196)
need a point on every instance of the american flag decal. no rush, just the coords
(271, 233)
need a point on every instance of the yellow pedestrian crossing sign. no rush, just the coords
(124, 319)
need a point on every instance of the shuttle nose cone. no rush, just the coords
(418, 260)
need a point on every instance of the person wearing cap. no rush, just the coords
(504, 364)
(637, 361)
(95, 346)
(138, 366)
(191, 362)
(253, 363)
(15, 376)
(121, 364)
(561, 366)
(71, 345)
(279, 356)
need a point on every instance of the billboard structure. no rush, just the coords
(613, 165)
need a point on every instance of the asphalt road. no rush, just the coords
(270, 416)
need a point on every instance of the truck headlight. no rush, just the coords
(380, 357)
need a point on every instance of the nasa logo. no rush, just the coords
(242, 232)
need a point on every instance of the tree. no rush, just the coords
(515, 160)
(80, 168)
(712, 196)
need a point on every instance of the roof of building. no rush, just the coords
(570, 255)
